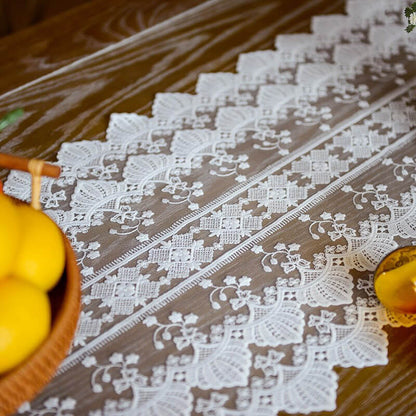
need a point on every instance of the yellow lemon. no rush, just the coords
(25, 320)
(40, 259)
(395, 280)
(9, 234)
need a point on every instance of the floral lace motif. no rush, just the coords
(254, 204)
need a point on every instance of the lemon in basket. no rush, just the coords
(40, 258)
(25, 319)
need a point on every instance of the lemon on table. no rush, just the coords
(40, 259)
(9, 235)
(395, 280)
(25, 320)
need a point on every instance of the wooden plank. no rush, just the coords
(41, 49)
(19, 14)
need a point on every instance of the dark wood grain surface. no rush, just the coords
(16, 15)
(68, 85)
(83, 30)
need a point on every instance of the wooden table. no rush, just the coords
(70, 73)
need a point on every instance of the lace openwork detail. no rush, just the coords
(227, 243)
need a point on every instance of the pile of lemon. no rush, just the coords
(32, 259)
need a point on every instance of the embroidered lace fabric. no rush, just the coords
(227, 244)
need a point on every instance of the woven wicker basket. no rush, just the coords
(25, 381)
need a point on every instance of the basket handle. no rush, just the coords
(36, 167)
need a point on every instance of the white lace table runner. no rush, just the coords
(227, 244)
